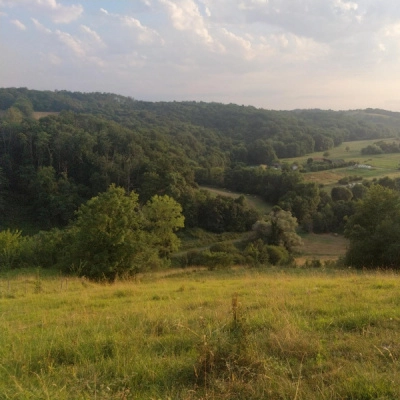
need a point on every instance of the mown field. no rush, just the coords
(196, 334)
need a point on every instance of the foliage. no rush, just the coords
(278, 229)
(163, 216)
(113, 237)
(10, 248)
(381, 147)
(341, 193)
(374, 230)
(256, 253)
(52, 165)
(44, 249)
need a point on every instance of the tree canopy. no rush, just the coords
(112, 236)
(374, 230)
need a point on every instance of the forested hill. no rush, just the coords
(242, 123)
(51, 165)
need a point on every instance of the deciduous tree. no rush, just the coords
(374, 230)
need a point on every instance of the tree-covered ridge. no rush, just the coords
(284, 133)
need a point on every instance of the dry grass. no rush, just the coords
(322, 246)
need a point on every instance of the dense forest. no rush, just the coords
(83, 143)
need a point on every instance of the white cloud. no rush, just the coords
(40, 27)
(66, 14)
(85, 51)
(345, 5)
(59, 13)
(392, 30)
(93, 35)
(144, 34)
(185, 16)
(75, 45)
(238, 42)
(18, 24)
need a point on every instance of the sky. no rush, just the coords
(273, 54)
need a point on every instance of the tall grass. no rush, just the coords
(196, 334)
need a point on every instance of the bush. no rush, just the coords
(10, 248)
(278, 255)
(256, 253)
(43, 249)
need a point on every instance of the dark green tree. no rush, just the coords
(341, 193)
(113, 237)
(374, 230)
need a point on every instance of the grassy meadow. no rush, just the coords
(382, 164)
(196, 334)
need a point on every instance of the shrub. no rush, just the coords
(10, 248)
(43, 249)
(256, 253)
(278, 255)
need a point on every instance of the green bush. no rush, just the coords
(10, 248)
(278, 255)
(256, 253)
(207, 258)
(43, 249)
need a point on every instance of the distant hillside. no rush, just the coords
(60, 148)
(289, 133)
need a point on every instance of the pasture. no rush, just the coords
(195, 334)
(382, 164)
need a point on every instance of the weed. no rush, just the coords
(38, 287)
(226, 355)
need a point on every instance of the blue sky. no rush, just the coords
(275, 54)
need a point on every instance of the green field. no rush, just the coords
(195, 334)
(382, 164)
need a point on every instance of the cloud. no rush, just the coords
(18, 24)
(238, 44)
(59, 13)
(85, 51)
(276, 53)
(92, 35)
(75, 45)
(40, 27)
(185, 16)
(144, 34)
(345, 6)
